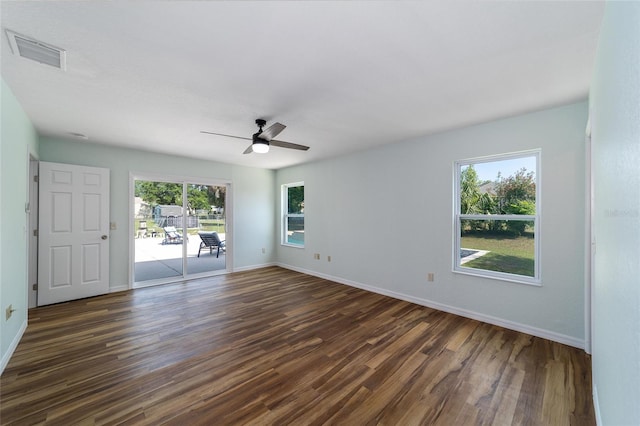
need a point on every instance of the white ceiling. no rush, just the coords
(343, 76)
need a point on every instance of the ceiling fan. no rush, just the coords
(261, 140)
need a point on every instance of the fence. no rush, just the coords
(163, 221)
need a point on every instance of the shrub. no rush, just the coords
(517, 227)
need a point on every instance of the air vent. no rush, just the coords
(36, 50)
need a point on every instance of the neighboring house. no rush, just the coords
(171, 215)
(488, 188)
(164, 211)
(141, 209)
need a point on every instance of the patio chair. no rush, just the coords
(171, 236)
(211, 240)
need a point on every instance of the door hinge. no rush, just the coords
(35, 286)
(35, 232)
(36, 178)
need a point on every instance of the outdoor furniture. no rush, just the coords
(171, 236)
(211, 240)
(142, 229)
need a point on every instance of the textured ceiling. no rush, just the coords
(343, 76)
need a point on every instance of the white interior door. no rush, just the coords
(73, 253)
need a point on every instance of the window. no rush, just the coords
(497, 217)
(293, 214)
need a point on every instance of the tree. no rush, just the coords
(517, 195)
(217, 196)
(199, 197)
(518, 187)
(159, 193)
(295, 195)
(521, 207)
(472, 200)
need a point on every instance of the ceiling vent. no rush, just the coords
(36, 50)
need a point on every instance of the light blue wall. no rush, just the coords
(615, 119)
(385, 217)
(19, 139)
(252, 191)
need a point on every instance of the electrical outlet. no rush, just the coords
(430, 277)
(328, 258)
(113, 226)
(9, 311)
(316, 256)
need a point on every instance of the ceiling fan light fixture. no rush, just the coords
(260, 147)
(262, 140)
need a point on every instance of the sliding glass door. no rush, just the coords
(179, 230)
(208, 250)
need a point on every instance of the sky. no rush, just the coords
(508, 167)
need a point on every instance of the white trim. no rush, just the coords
(498, 157)
(252, 267)
(589, 247)
(505, 217)
(284, 208)
(119, 288)
(457, 267)
(184, 180)
(12, 347)
(292, 245)
(596, 405)
(32, 224)
(500, 276)
(511, 325)
(161, 281)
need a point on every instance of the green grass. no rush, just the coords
(513, 255)
(216, 225)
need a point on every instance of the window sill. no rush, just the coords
(500, 276)
(292, 245)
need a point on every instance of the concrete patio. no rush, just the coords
(154, 260)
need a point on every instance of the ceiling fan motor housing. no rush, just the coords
(260, 145)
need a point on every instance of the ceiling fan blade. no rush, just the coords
(266, 135)
(272, 131)
(283, 144)
(222, 134)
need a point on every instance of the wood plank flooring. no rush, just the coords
(276, 347)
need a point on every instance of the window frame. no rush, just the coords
(458, 217)
(286, 215)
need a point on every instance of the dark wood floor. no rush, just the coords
(273, 346)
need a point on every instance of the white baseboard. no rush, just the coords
(252, 267)
(12, 347)
(511, 325)
(596, 403)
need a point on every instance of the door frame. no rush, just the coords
(32, 236)
(180, 179)
(590, 242)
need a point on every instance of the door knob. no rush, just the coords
(104, 237)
